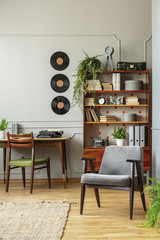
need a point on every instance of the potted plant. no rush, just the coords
(3, 126)
(89, 67)
(153, 214)
(119, 135)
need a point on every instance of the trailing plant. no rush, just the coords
(120, 133)
(153, 214)
(88, 68)
(3, 124)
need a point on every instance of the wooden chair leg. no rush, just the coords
(48, 173)
(140, 183)
(23, 176)
(32, 178)
(8, 177)
(83, 189)
(97, 196)
(132, 190)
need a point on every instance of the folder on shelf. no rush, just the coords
(131, 135)
(137, 139)
(142, 136)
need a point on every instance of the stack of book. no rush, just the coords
(94, 85)
(108, 118)
(132, 100)
(91, 114)
(89, 101)
(107, 86)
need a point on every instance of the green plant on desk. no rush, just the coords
(3, 124)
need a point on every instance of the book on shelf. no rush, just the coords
(107, 86)
(132, 100)
(94, 85)
(89, 101)
(109, 118)
(91, 114)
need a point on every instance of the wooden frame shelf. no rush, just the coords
(118, 122)
(120, 105)
(118, 91)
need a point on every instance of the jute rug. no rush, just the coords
(33, 221)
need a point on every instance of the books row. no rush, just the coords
(138, 136)
(108, 118)
(132, 100)
(89, 101)
(91, 115)
(94, 85)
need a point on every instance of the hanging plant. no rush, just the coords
(88, 68)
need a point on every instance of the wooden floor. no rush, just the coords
(109, 222)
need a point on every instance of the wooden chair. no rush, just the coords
(25, 141)
(117, 171)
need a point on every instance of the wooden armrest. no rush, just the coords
(133, 161)
(86, 159)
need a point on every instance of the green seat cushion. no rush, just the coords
(26, 162)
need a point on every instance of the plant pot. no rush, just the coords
(120, 142)
(2, 134)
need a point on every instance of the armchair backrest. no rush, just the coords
(114, 159)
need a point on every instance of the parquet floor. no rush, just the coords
(109, 222)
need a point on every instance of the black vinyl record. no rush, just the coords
(60, 83)
(59, 61)
(60, 105)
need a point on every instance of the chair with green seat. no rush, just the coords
(25, 141)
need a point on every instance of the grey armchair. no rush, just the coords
(117, 171)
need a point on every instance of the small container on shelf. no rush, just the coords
(130, 117)
(133, 85)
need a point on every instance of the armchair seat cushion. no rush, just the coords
(101, 179)
(26, 162)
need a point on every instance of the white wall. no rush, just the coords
(155, 88)
(31, 31)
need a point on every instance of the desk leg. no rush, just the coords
(65, 160)
(4, 163)
(62, 162)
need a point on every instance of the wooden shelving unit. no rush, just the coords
(94, 129)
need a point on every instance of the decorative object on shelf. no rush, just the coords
(129, 117)
(60, 105)
(107, 86)
(120, 135)
(133, 85)
(131, 66)
(60, 83)
(116, 81)
(132, 100)
(88, 67)
(59, 61)
(102, 100)
(97, 142)
(116, 100)
(3, 127)
(109, 51)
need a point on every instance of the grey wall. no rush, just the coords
(156, 89)
(31, 31)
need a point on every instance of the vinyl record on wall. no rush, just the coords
(60, 105)
(60, 83)
(59, 61)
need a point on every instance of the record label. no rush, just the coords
(60, 105)
(60, 83)
(59, 61)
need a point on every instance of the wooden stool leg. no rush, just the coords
(48, 173)
(8, 177)
(23, 176)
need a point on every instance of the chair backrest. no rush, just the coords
(114, 159)
(20, 140)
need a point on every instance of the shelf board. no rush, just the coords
(125, 71)
(118, 91)
(91, 147)
(120, 105)
(117, 122)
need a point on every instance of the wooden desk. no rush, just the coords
(44, 142)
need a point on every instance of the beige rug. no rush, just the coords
(33, 221)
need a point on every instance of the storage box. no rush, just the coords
(129, 117)
(133, 85)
